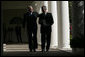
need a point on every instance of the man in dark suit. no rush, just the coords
(46, 21)
(31, 18)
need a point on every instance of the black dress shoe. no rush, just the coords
(47, 50)
(43, 50)
(30, 50)
(34, 50)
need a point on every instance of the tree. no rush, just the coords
(77, 24)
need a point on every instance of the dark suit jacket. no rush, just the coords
(31, 20)
(49, 21)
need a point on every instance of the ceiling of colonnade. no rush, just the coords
(22, 5)
(15, 4)
(10, 9)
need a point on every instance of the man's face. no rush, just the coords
(44, 9)
(30, 9)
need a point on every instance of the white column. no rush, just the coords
(38, 30)
(54, 38)
(65, 39)
(46, 4)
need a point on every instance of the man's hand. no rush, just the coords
(44, 23)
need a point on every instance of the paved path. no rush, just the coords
(22, 50)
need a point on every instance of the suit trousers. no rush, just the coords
(32, 38)
(45, 38)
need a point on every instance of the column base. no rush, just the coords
(54, 46)
(4, 44)
(68, 49)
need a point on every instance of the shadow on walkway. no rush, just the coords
(38, 53)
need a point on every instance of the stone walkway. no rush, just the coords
(21, 47)
(23, 50)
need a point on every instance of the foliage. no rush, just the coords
(70, 11)
(77, 42)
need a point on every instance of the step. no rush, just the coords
(20, 47)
